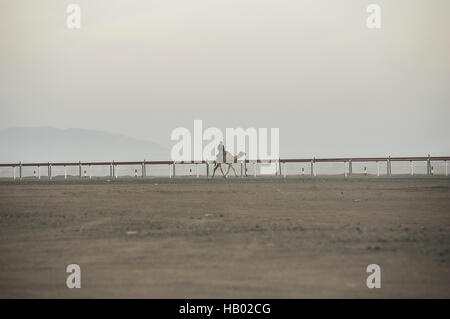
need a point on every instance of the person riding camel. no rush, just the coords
(221, 156)
(224, 157)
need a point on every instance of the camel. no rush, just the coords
(229, 160)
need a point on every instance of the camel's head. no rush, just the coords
(240, 154)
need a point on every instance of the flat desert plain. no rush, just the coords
(234, 238)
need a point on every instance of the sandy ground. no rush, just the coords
(235, 238)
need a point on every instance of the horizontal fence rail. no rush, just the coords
(262, 161)
(281, 165)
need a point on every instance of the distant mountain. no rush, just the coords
(48, 144)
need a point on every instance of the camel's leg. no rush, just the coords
(228, 170)
(222, 171)
(215, 169)
(235, 174)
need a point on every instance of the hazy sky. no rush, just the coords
(311, 68)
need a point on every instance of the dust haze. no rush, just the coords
(311, 68)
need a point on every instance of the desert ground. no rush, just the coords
(235, 238)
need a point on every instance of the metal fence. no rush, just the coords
(427, 165)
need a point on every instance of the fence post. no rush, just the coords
(387, 165)
(279, 166)
(79, 168)
(49, 170)
(65, 172)
(20, 170)
(284, 169)
(428, 165)
(245, 166)
(143, 169)
(350, 167)
(312, 168)
(316, 168)
(173, 169)
(412, 167)
(14, 172)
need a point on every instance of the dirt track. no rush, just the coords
(191, 238)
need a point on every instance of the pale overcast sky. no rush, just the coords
(311, 68)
